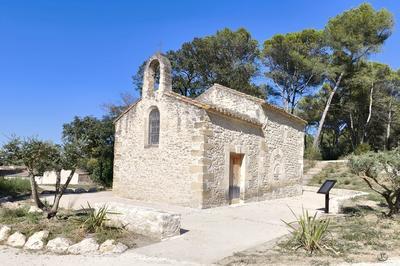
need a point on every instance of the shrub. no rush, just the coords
(381, 172)
(309, 233)
(14, 187)
(362, 148)
(95, 220)
(311, 153)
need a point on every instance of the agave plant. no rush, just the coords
(96, 219)
(309, 233)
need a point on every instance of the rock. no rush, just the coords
(92, 189)
(68, 190)
(11, 205)
(34, 209)
(36, 241)
(80, 190)
(16, 240)
(111, 246)
(88, 245)
(5, 199)
(4, 233)
(59, 245)
(142, 220)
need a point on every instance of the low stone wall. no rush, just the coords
(146, 221)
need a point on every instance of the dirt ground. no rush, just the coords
(361, 234)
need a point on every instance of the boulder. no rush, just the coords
(47, 192)
(59, 245)
(4, 233)
(80, 190)
(34, 209)
(5, 199)
(16, 240)
(111, 246)
(142, 220)
(36, 241)
(88, 245)
(92, 189)
(68, 191)
(11, 205)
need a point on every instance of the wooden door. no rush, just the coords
(234, 178)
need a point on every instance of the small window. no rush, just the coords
(154, 127)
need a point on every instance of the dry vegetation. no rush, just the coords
(69, 224)
(361, 234)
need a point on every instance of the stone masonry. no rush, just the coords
(191, 163)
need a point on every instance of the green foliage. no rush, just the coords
(95, 220)
(309, 233)
(227, 57)
(10, 153)
(96, 138)
(359, 32)
(362, 148)
(311, 153)
(38, 156)
(11, 216)
(14, 187)
(381, 172)
(295, 63)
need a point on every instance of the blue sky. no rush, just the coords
(59, 59)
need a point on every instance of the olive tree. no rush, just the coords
(381, 172)
(40, 156)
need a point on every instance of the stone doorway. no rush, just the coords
(235, 177)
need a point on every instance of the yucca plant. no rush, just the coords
(95, 220)
(309, 233)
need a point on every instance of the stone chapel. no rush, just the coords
(223, 147)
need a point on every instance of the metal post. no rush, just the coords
(327, 202)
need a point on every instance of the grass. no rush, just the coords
(14, 187)
(345, 179)
(69, 224)
(362, 234)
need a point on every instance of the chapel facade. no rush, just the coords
(223, 147)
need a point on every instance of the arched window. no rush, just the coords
(154, 127)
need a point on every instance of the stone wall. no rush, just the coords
(234, 101)
(161, 173)
(273, 154)
(231, 136)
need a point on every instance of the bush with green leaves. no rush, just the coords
(309, 233)
(96, 219)
(381, 172)
(312, 153)
(362, 148)
(14, 187)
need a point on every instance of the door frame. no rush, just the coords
(243, 151)
(239, 182)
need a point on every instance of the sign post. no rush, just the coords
(324, 189)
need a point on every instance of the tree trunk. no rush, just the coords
(35, 195)
(364, 135)
(388, 128)
(353, 139)
(58, 181)
(322, 121)
(57, 197)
